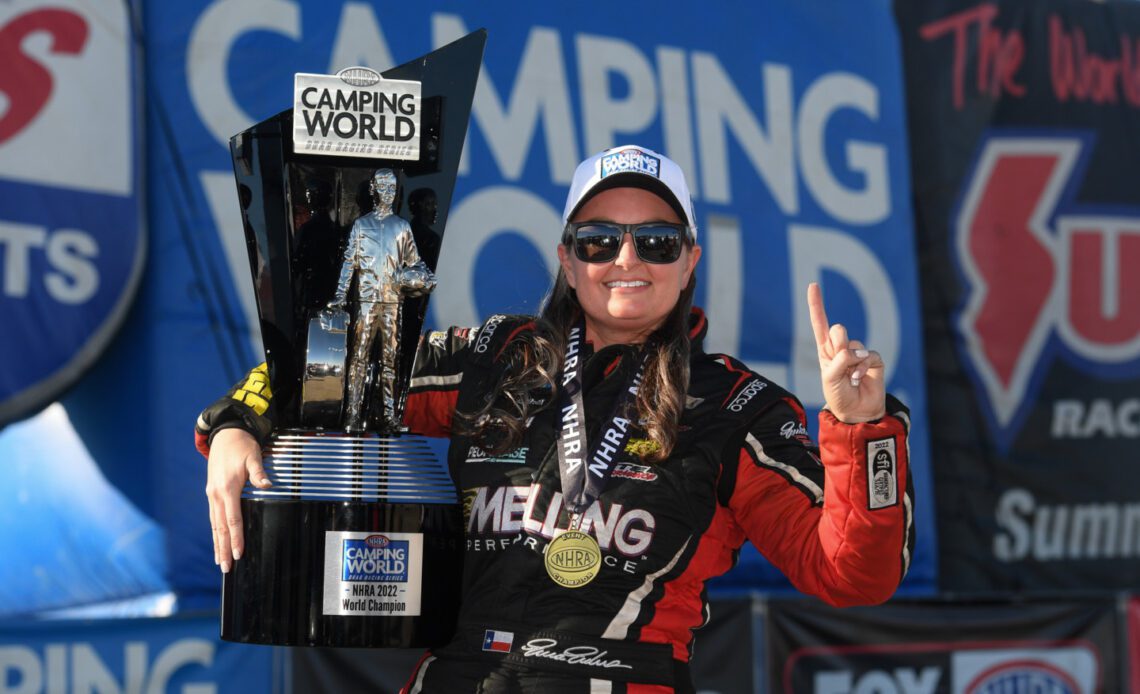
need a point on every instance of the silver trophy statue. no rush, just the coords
(358, 543)
(382, 257)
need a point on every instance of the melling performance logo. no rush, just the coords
(1043, 276)
(356, 113)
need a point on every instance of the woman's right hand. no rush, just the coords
(235, 456)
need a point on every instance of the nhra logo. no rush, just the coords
(1041, 275)
(631, 160)
(1028, 676)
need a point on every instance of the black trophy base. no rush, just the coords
(285, 591)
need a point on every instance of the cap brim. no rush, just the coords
(631, 179)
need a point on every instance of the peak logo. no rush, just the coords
(1042, 275)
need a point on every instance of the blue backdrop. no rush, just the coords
(788, 118)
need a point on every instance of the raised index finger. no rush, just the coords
(819, 324)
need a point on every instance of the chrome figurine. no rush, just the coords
(382, 256)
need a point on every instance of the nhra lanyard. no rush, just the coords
(583, 478)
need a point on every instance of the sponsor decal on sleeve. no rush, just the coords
(882, 474)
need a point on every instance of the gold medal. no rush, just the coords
(573, 559)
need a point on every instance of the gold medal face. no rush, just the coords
(573, 559)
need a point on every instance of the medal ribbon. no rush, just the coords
(584, 476)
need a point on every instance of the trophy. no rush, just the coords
(344, 202)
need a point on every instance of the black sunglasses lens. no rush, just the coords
(658, 244)
(597, 243)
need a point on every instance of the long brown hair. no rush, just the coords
(534, 358)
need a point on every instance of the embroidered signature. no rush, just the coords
(575, 655)
(793, 428)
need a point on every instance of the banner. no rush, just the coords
(71, 234)
(944, 647)
(175, 655)
(1023, 121)
(795, 150)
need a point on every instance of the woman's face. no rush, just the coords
(626, 298)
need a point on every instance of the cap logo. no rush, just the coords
(631, 160)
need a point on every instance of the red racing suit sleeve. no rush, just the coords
(434, 388)
(837, 520)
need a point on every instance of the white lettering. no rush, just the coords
(541, 90)
(898, 681)
(359, 40)
(1106, 530)
(602, 115)
(207, 63)
(823, 99)
(813, 250)
(1099, 418)
(720, 107)
(482, 216)
(72, 279)
(17, 240)
(75, 279)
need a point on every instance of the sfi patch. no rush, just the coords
(882, 474)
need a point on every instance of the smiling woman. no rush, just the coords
(610, 466)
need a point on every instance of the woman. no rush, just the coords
(609, 466)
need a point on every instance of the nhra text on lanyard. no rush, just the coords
(584, 477)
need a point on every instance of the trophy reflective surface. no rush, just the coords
(344, 201)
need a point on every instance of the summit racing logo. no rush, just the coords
(633, 160)
(1042, 276)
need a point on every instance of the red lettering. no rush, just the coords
(26, 83)
(999, 55)
(1104, 286)
(1077, 74)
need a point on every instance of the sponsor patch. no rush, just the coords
(882, 474)
(793, 429)
(631, 159)
(634, 472)
(485, 334)
(478, 455)
(746, 394)
(498, 641)
(437, 339)
(642, 447)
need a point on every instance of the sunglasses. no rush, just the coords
(599, 242)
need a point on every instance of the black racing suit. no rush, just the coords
(743, 468)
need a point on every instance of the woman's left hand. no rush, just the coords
(852, 375)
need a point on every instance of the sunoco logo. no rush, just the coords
(359, 76)
(746, 395)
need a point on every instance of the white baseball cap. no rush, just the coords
(635, 167)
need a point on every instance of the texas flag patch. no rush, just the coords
(499, 641)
